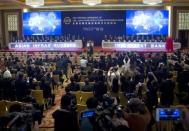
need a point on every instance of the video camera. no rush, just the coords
(168, 114)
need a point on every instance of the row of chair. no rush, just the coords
(83, 96)
(5, 106)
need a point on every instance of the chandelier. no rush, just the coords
(152, 2)
(91, 2)
(35, 3)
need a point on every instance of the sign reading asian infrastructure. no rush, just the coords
(46, 46)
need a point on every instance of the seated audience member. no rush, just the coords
(77, 77)
(137, 115)
(88, 123)
(87, 87)
(65, 120)
(73, 99)
(73, 85)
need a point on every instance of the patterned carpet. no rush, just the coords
(48, 122)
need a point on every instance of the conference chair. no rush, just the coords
(81, 84)
(91, 84)
(81, 107)
(123, 99)
(78, 96)
(8, 104)
(85, 96)
(83, 77)
(38, 95)
(2, 108)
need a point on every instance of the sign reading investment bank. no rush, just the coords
(46, 46)
(138, 46)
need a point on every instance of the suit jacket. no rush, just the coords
(65, 121)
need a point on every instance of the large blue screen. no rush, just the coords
(147, 22)
(42, 23)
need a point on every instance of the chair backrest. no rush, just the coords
(91, 84)
(81, 84)
(10, 103)
(38, 95)
(2, 108)
(81, 107)
(123, 99)
(85, 96)
(78, 96)
(83, 77)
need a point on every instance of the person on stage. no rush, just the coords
(90, 50)
(169, 44)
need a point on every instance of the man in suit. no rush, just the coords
(65, 119)
(21, 87)
(167, 91)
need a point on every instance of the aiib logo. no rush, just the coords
(67, 20)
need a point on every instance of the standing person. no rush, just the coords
(21, 87)
(167, 91)
(169, 44)
(64, 119)
(90, 50)
(8, 91)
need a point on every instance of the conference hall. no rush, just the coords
(94, 65)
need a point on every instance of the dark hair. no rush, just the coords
(21, 75)
(170, 75)
(67, 89)
(65, 101)
(86, 81)
(72, 78)
(92, 102)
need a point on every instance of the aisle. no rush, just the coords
(48, 122)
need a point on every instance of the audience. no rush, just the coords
(141, 78)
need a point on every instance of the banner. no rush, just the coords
(93, 25)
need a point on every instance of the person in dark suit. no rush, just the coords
(73, 85)
(183, 80)
(21, 87)
(100, 88)
(65, 120)
(87, 87)
(8, 90)
(167, 91)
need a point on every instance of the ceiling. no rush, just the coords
(9, 4)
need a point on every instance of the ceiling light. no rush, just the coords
(35, 3)
(25, 10)
(152, 2)
(91, 2)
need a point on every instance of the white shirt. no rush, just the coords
(7, 74)
(83, 62)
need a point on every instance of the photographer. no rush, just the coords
(137, 115)
(87, 117)
(110, 116)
